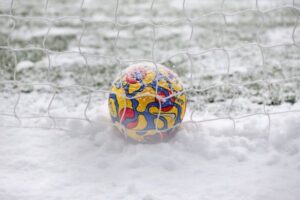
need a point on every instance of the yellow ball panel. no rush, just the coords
(112, 108)
(150, 76)
(145, 97)
(159, 123)
(134, 87)
(142, 123)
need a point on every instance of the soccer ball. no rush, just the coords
(147, 102)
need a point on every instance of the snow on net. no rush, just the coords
(58, 59)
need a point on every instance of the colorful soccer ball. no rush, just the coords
(147, 102)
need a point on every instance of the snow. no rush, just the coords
(203, 161)
(56, 138)
(282, 35)
(24, 65)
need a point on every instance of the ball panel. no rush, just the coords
(146, 96)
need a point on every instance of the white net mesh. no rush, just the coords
(58, 58)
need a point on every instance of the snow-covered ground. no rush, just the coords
(202, 162)
(240, 138)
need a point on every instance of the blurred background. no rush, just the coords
(236, 58)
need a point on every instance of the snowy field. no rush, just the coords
(240, 64)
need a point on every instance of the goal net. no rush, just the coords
(238, 59)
